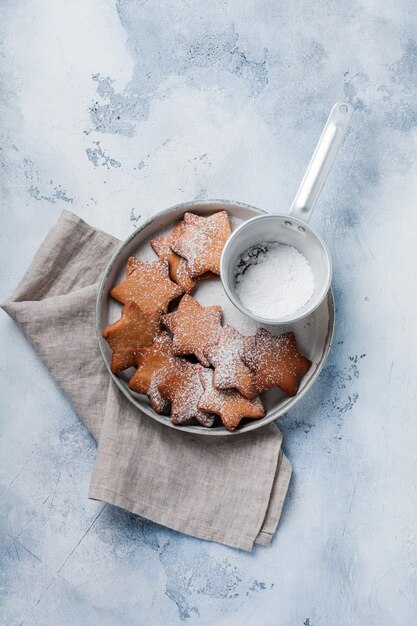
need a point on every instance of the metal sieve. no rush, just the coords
(293, 228)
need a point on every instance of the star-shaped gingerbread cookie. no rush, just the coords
(148, 285)
(230, 405)
(201, 240)
(133, 330)
(153, 364)
(179, 270)
(178, 267)
(196, 328)
(226, 357)
(275, 361)
(183, 388)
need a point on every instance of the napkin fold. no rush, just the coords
(230, 490)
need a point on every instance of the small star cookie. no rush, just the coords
(148, 285)
(153, 364)
(275, 361)
(201, 240)
(134, 329)
(229, 370)
(196, 328)
(230, 405)
(183, 388)
(178, 267)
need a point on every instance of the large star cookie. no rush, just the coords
(133, 330)
(148, 285)
(230, 405)
(275, 361)
(196, 328)
(226, 357)
(183, 388)
(154, 365)
(201, 240)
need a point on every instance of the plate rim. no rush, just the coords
(288, 404)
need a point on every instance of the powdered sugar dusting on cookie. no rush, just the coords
(275, 361)
(134, 329)
(201, 240)
(184, 389)
(153, 368)
(178, 267)
(196, 329)
(282, 346)
(230, 371)
(230, 405)
(159, 403)
(148, 285)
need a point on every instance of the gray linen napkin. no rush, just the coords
(228, 490)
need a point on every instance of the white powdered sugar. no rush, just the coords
(273, 280)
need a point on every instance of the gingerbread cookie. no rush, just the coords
(196, 328)
(153, 364)
(148, 285)
(201, 240)
(226, 357)
(230, 405)
(275, 361)
(178, 267)
(183, 388)
(133, 264)
(134, 329)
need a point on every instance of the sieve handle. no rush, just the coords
(322, 160)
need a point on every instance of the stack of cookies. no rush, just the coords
(199, 369)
